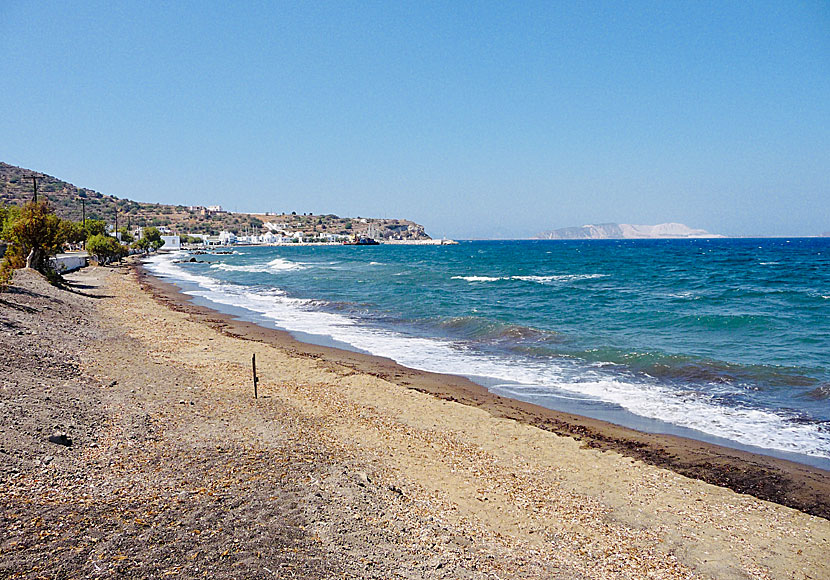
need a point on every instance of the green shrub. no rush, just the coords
(34, 235)
(105, 248)
(94, 227)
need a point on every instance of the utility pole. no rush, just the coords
(116, 233)
(83, 218)
(34, 182)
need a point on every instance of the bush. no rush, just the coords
(34, 235)
(188, 239)
(150, 239)
(142, 245)
(105, 248)
(72, 232)
(153, 237)
(126, 236)
(94, 227)
(8, 213)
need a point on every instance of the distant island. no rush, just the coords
(74, 203)
(625, 232)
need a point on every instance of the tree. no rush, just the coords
(126, 236)
(105, 248)
(8, 214)
(153, 237)
(150, 239)
(95, 228)
(188, 239)
(142, 245)
(34, 235)
(72, 232)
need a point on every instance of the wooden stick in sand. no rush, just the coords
(253, 368)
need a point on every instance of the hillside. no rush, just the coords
(69, 201)
(626, 232)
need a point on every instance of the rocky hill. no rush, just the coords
(612, 231)
(70, 201)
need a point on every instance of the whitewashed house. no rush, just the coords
(171, 243)
(227, 238)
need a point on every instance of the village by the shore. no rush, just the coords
(279, 233)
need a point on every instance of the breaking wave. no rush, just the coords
(536, 279)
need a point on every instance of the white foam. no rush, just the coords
(648, 399)
(233, 268)
(683, 295)
(274, 266)
(536, 279)
(558, 278)
(478, 278)
(163, 264)
(283, 264)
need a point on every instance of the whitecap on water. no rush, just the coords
(537, 279)
(477, 278)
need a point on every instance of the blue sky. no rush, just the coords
(477, 120)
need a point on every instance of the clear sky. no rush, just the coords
(488, 119)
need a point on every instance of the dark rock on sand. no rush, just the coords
(60, 439)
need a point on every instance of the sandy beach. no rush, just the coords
(345, 466)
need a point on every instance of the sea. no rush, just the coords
(720, 340)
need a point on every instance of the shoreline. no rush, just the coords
(799, 486)
(166, 464)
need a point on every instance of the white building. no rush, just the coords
(227, 238)
(249, 239)
(171, 243)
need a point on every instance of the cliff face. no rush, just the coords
(625, 232)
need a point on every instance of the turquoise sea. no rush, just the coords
(719, 340)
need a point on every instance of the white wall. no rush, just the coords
(171, 243)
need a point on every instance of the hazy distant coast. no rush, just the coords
(611, 231)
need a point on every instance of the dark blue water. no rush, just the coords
(729, 338)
